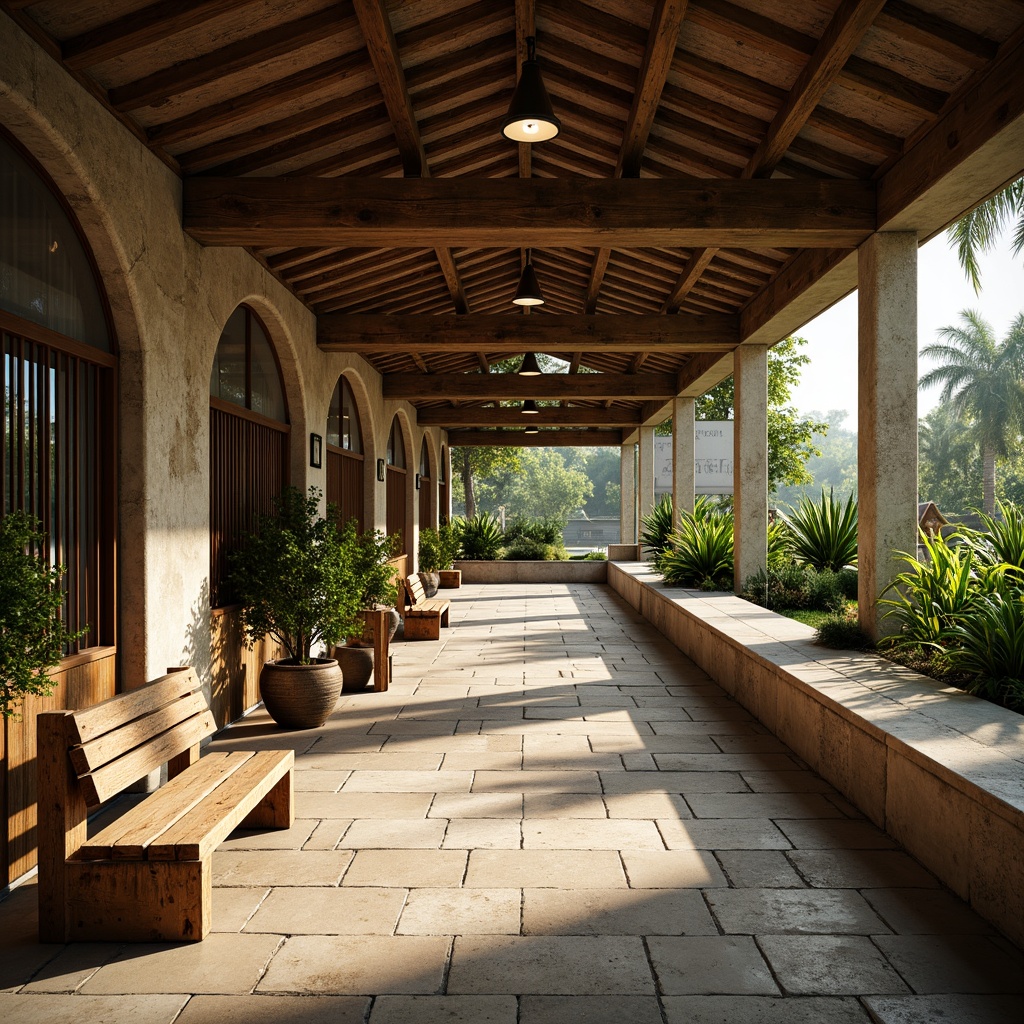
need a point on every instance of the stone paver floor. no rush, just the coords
(552, 817)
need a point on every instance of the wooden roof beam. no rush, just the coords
(484, 212)
(338, 332)
(512, 387)
(544, 439)
(511, 416)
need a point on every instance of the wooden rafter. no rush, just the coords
(511, 416)
(543, 439)
(267, 212)
(565, 333)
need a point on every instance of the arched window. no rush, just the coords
(396, 484)
(58, 443)
(443, 501)
(345, 454)
(424, 485)
(248, 439)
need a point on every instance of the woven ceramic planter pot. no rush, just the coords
(300, 696)
(356, 665)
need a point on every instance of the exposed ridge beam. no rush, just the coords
(693, 271)
(662, 39)
(341, 332)
(545, 439)
(549, 416)
(548, 386)
(387, 62)
(237, 56)
(141, 28)
(498, 212)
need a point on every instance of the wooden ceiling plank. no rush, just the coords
(914, 25)
(483, 212)
(841, 37)
(548, 386)
(358, 333)
(237, 56)
(141, 28)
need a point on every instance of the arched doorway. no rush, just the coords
(345, 455)
(424, 486)
(248, 469)
(396, 486)
(58, 454)
(444, 504)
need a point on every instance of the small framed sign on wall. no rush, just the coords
(380, 470)
(316, 451)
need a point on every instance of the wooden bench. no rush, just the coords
(147, 876)
(424, 616)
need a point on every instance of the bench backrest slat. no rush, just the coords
(117, 711)
(106, 747)
(116, 775)
(416, 591)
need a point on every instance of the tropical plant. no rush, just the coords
(989, 645)
(656, 528)
(977, 232)
(779, 543)
(529, 549)
(482, 537)
(982, 379)
(297, 577)
(32, 635)
(546, 530)
(824, 533)
(700, 552)
(1001, 540)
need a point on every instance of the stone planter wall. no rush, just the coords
(941, 771)
(533, 572)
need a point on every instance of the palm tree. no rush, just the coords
(978, 231)
(983, 379)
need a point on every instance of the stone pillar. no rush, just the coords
(645, 475)
(627, 495)
(750, 462)
(887, 415)
(683, 477)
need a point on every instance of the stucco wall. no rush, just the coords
(170, 299)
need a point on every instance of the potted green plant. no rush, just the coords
(450, 543)
(429, 552)
(296, 579)
(372, 552)
(32, 635)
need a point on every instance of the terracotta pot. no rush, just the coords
(300, 696)
(356, 665)
(451, 579)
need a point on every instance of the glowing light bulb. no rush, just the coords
(531, 127)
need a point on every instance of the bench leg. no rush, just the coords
(139, 901)
(276, 809)
(423, 627)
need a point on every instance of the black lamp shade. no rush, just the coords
(528, 292)
(530, 116)
(529, 366)
(532, 430)
(529, 408)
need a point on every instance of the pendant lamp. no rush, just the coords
(528, 292)
(530, 117)
(529, 367)
(529, 408)
(532, 430)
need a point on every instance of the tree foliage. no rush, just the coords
(978, 231)
(32, 635)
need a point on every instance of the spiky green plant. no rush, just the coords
(700, 552)
(824, 533)
(482, 537)
(1001, 541)
(989, 645)
(656, 528)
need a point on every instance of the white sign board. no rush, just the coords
(712, 459)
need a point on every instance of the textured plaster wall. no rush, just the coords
(170, 299)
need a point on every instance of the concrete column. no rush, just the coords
(887, 415)
(645, 475)
(683, 476)
(750, 462)
(627, 495)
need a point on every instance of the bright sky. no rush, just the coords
(829, 380)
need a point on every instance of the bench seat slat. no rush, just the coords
(198, 832)
(120, 773)
(129, 836)
(97, 752)
(116, 711)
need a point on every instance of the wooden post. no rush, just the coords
(61, 821)
(381, 663)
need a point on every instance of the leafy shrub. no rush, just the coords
(989, 645)
(595, 556)
(656, 528)
(429, 550)
(841, 631)
(824, 533)
(528, 549)
(544, 531)
(780, 542)
(801, 587)
(482, 537)
(825, 590)
(700, 552)
(848, 580)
